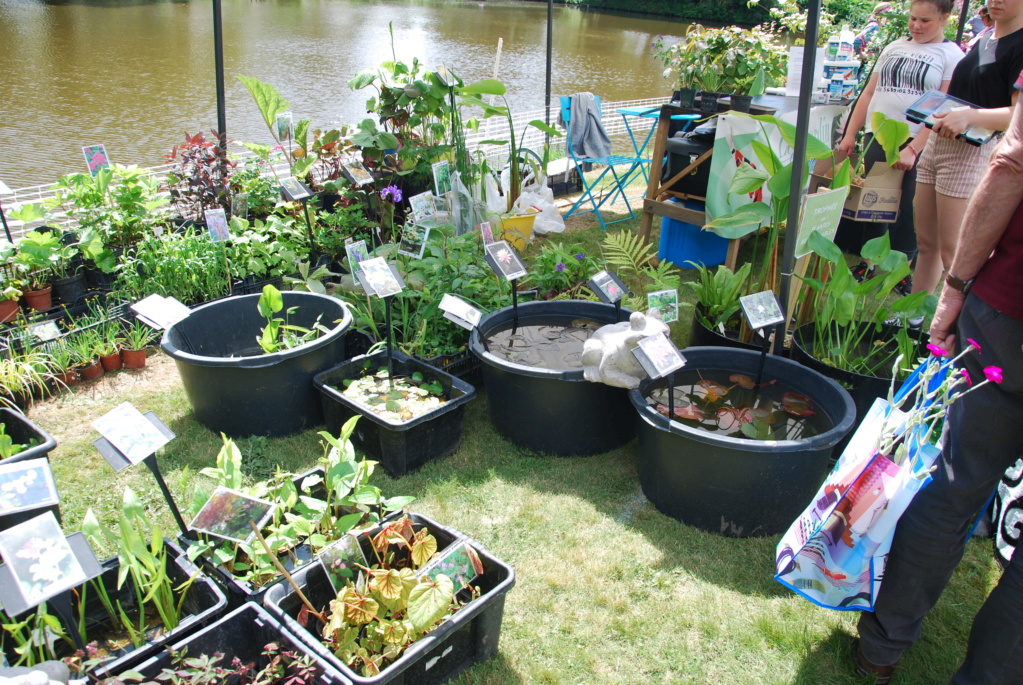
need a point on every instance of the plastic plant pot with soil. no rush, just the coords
(551, 410)
(399, 444)
(242, 634)
(235, 388)
(738, 486)
(470, 635)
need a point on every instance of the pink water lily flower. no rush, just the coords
(936, 351)
(993, 374)
(974, 343)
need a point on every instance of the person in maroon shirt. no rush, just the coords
(981, 302)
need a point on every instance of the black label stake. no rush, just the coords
(515, 305)
(390, 336)
(150, 461)
(671, 397)
(760, 370)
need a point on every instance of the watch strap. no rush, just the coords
(959, 284)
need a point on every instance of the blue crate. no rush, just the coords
(682, 242)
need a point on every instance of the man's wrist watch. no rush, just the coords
(959, 284)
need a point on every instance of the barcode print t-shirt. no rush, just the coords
(905, 71)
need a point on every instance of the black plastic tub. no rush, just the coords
(399, 448)
(22, 431)
(236, 389)
(468, 636)
(555, 412)
(734, 486)
(241, 634)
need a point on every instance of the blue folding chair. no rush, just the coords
(610, 162)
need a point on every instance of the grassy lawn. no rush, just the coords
(608, 590)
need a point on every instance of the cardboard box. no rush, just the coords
(877, 200)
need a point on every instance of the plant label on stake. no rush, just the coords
(413, 240)
(130, 432)
(658, 356)
(460, 312)
(339, 561)
(160, 312)
(285, 130)
(820, 213)
(487, 232)
(460, 563)
(40, 561)
(239, 206)
(761, 309)
(607, 287)
(216, 224)
(356, 173)
(294, 190)
(505, 261)
(441, 178)
(379, 278)
(45, 331)
(666, 302)
(27, 485)
(423, 208)
(227, 513)
(357, 253)
(96, 158)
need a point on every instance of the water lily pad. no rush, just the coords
(742, 380)
(712, 390)
(796, 404)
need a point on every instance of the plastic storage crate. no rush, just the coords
(682, 242)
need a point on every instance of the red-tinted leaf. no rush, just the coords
(742, 381)
(797, 405)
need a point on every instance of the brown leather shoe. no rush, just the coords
(882, 674)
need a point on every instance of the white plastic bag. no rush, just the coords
(549, 221)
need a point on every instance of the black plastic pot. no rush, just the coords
(740, 103)
(236, 389)
(97, 279)
(70, 290)
(701, 336)
(863, 389)
(22, 431)
(469, 636)
(556, 412)
(241, 634)
(400, 448)
(734, 486)
(464, 365)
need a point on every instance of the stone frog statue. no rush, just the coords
(607, 355)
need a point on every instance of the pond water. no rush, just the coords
(726, 403)
(543, 343)
(135, 75)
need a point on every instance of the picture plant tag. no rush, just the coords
(294, 190)
(357, 254)
(504, 260)
(461, 312)
(227, 513)
(45, 331)
(356, 173)
(423, 208)
(441, 178)
(239, 205)
(339, 561)
(378, 278)
(666, 302)
(40, 559)
(658, 355)
(285, 129)
(130, 432)
(413, 240)
(26, 485)
(96, 158)
(607, 286)
(460, 563)
(761, 309)
(160, 312)
(216, 224)
(487, 232)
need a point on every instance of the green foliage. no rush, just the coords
(278, 334)
(632, 259)
(718, 293)
(333, 229)
(561, 271)
(260, 187)
(187, 266)
(265, 249)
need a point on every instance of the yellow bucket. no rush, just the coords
(517, 230)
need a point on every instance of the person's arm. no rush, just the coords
(951, 124)
(858, 116)
(992, 206)
(910, 153)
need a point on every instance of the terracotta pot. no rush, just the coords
(134, 359)
(111, 362)
(9, 310)
(91, 371)
(39, 300)
(69, 379)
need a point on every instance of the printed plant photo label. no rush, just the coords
(27, 485)
(130, 432)
(377, 274)
(294, 190)
(339, 561)
(666, 302)
(761, 309)
(413, 240)
(356, 173)
(422, 206)
(441, 178)
(460, 563)
(459, 311)
(607, 286)
(357, 253)
(658, 355)
(40, 559)
(216, 224)
(487, 232)
(285, 129)
(96, 158)
(227, 513)
(505, 260)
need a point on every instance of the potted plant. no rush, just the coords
(65, 363)
(135, 343)
(716, 316)
(684, 61)
(83, 346)
(108, 347)
(9, 307)
(38, 253)
(24, 375)
(9, 292)
(421, 580)
(199, 177)
(754, 60)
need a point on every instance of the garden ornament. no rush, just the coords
(607, 355)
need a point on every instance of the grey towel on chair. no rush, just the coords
(589, 140)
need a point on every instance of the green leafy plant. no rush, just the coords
(718, 293)
(186, 266)
(23, 635)
(23, 374)
(265, 249)
(42, 256)
(278, 334)
(634, 261)
(8, 448)
(561, 271)
(307, 281)
(138, 336)
(110, 338)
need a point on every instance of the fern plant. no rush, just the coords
(632, 258)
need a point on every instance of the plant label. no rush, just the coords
(40, 559)
(666, 302)
(294, 190)
(239, 206)
(357, 254)
(460, 563)
(130, 433)
(487, 232)
(96, 158)
(339, 561)
(285, 127)
(441, 178)
(423, 208)
(413, 240)
(227, 513)
(160, 312)
(45, 331)
(378, 278)
(26, 485)
(658, 356)
(461, 312)
(216, 224)
(761, 309)
(820, 213)
(504, 260)
(607, 287)
(356, 173)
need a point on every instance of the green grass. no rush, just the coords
(608, 590)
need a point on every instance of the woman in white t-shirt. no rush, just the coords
(905, 70)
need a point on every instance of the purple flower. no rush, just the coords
(993, 374)
(580, 256)
(559, 267)
(393, 191)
